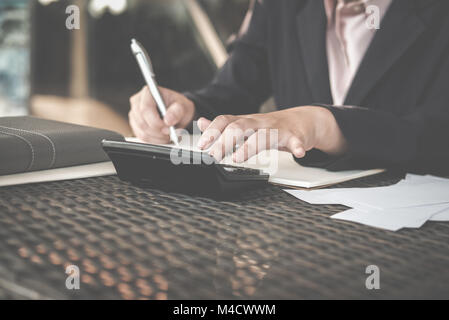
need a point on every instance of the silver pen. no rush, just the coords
(144, 62)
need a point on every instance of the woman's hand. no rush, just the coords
(145, 120)
(296, 130)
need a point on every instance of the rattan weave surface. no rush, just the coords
(140, 243)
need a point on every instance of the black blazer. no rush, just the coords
(399, 99)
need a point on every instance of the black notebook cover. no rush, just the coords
(32, 144)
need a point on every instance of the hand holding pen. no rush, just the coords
(150, 118)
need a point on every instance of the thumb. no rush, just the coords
(296, 147)
(174, 114)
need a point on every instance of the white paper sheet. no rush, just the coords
(442, 216)
(392, 219)
(410, 192)
(408, 204)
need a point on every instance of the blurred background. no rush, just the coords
(86, 76)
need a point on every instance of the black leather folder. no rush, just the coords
(32, 144)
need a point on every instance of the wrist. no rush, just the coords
(329, 137)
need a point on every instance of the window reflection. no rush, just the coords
(14, 57)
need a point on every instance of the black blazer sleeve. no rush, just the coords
(417, 140)
(243, 83)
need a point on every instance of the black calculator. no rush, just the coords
(180, 170)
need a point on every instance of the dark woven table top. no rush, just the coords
(137, 243)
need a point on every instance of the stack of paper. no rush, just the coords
(409, 204)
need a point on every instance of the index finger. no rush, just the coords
(214, 131)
